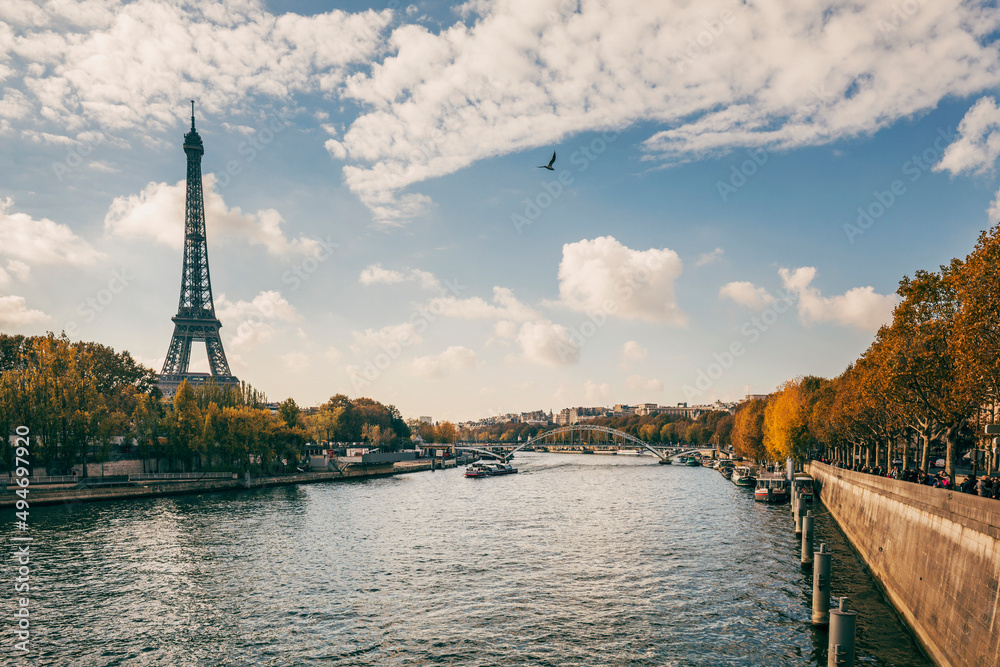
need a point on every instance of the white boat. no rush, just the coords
(771, 488)
(743, 476)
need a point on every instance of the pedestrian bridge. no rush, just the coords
(616, 436)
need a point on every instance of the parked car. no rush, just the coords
(937, 463)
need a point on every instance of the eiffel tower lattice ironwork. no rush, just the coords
(195, 320)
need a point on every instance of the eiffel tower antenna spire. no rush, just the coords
(195, 320)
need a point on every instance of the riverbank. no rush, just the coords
(61, 494)
(935, 552)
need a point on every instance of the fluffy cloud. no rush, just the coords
(253, 321)
(455, 358)
(746, 294)
(639, 383)
(158, 213)
(14, 313)
(978, 143)
(505, 306)
(860, 307)
(604, 276)
(632, 351)
(513, 75)
(548, 344)
(126, 65)
(994, 210)
(27, 241)
(376, 275)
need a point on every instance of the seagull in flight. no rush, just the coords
(549, 165)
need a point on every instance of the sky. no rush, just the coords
(737, 191)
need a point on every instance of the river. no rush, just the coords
(577, 560)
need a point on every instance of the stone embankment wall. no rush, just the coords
(936, 554)
(44, 494)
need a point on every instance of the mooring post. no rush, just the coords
(821, 586)
(798, 518)
(807, 538)
(843, 624)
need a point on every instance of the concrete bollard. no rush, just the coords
(821, 587)
(798, 518)
(843, 624)
(807, 538)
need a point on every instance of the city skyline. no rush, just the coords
(738, 189)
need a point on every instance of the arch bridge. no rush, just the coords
(623, 437)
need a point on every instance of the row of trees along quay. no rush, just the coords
(925, 387)
(86, 403)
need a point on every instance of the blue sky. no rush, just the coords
(378, 225)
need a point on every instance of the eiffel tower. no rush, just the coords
(195, 320)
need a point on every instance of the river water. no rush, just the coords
(578, 560)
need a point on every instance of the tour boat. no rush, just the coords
(692, 461)
(742, 476)
(478, 470)
(771, 488)
(489, 469)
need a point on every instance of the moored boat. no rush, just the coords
(771, 488)
(743, 476)
(692, 461)
(803, 485)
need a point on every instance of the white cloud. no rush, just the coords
(604, 276)
(505, 306)
(14, 313)
(512, 76)
(548, 344)
(746, 294)
(639, 383)
(597, 394)
(388, 337)
(978, 143)
(251, 322)
(28, 241)
(376, 275)
(103, 63)
(632, 351)
(860, 307)
(710, 257)
(333, 354)
(455, 358)
(158, 213)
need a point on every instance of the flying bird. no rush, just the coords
(549, 165)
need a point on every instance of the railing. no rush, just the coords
(167, 476)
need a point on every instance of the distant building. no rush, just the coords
(426, 420)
